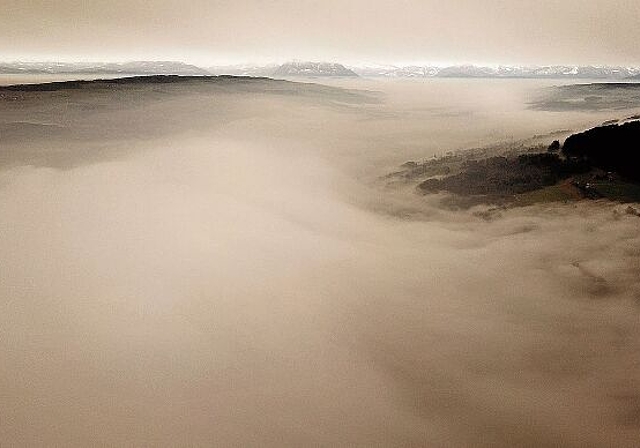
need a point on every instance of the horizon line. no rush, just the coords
(435, 64)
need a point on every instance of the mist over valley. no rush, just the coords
(223, 261)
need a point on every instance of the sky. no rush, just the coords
(534, 32)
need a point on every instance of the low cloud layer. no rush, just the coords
(240, 286)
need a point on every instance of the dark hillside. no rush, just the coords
(611, 148)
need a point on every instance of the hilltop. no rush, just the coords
(54, 124)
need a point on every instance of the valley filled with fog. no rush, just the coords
(217, 262)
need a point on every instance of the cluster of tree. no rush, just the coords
(506, 176)
(610, 148)
(608, 153)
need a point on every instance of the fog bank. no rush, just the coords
(226, 272)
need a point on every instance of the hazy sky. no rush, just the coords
(354, 31)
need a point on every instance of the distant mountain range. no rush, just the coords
(287, 70)
(298, 68)
(107, 68)
(244, 70)
(315, 69)
(474, 71)
(325, 69)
